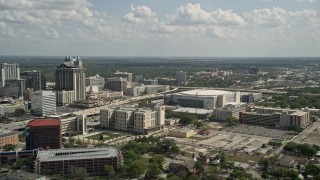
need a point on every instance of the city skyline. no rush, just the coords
(203, 28)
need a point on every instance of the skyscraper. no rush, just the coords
(43, 103)
(9, 72)
(181, 77)
(70, 76)
(33, 79)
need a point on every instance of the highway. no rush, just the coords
(265, 91)
(96, 110)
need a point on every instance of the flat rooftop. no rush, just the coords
(77, 153)
(6, 132)
(44, 122)
(204, 92)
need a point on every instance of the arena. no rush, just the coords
(204, 98)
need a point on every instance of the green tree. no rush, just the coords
(9, 147)
(109, 171)
(78, 172)
(100, 137)
(19, 112)
(264, 175)
(199, 168)
(232, 120)
(136, 168)
(24, 162)
(312, 169)
(153, 171)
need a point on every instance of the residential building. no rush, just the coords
(141, 120)
(70, 76)
(64, 161)
(181, 77)
(117, 84)
(43, 103)
(43, 133)
(96, 81)
(9, 72)
(32, 79)
(8, 137)
(125, 75)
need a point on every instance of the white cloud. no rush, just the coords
(267, 17)
(140, 15)
(193, 14)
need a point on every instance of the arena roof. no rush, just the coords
(204, 92)
(44, 122)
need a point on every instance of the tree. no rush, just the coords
(290, 146)
(78, 172)
(19, 112)
(136, 168)
(199, 167)
(9, 147)
(109, 170)
(101, 137)
(312, 169)
(24, 162)
(263, 146)
(264, 175)
(153, 171)
(232, 120)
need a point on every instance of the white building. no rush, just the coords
(43, 103)
(203, 98)
(9, 72)
(65, 97)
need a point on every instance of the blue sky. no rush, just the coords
(215, 28)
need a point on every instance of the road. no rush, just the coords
(96, 110)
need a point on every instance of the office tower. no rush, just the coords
(126, 75)
(9, 72)
(43, 133)
(13, 88)
(33, 79)
(70, 76)
(27, 94)
(181, 77)
(43, 103)
(117, 84)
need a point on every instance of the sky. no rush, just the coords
(194, 28)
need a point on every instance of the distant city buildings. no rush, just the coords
(96, 81)
(141, 120)
(117, 84)
(70, 76)
(43, 103)
(125, 75)
(43, 133)
(253, 70)
(8, 137)
(13, 88)
(65, 161)
(181, 77)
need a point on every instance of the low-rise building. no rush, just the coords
(275, 117)
(181, 133)
(64, 161)
(228, 111)
(8, 137)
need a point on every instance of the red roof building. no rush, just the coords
(43, 133)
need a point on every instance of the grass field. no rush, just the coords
(105, 136)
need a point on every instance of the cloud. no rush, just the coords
(266, 17)
(140, 15)
(193, 14)
(309, 1)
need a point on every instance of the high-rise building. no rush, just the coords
(43, 133)
(70, 76)
(33, 79)
(126, 75)
(117, 84)
(9, 72)
(181, 77)
(96, 81)
(13, 88)
(43, 103)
